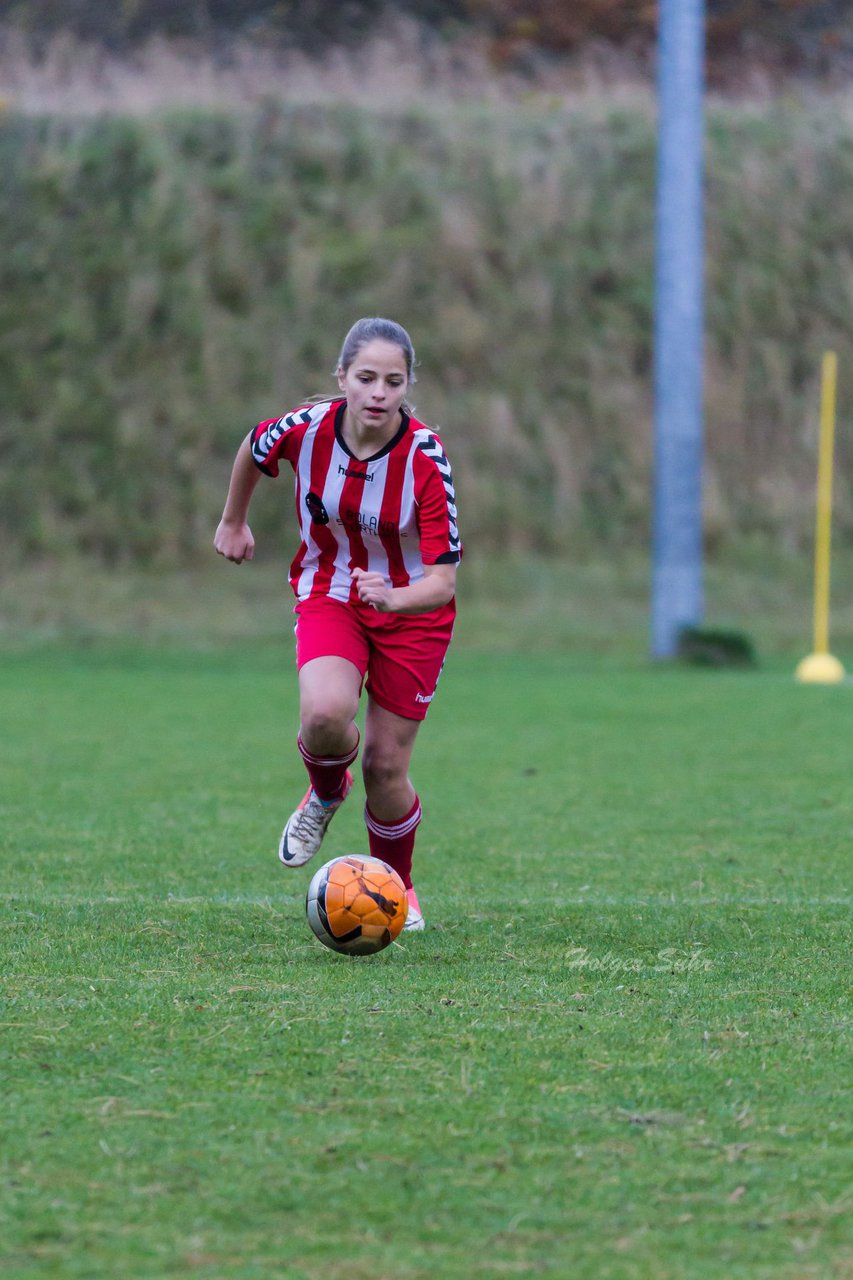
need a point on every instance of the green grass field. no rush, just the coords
(617, 1050)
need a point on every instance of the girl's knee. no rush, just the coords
(323, 723)
(382, 769)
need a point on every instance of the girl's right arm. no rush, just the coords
(233, 537)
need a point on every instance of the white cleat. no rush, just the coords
(303, 834)
(414, 919)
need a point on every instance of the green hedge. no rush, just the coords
(165, 283)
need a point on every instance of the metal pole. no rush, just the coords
(821, 667)
(677, 593)
(829, 379)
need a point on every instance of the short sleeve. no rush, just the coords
(266, 442)
(436, 500)
(278, 438)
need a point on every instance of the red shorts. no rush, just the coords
(400, 653)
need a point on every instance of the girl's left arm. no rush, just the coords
(436, 588)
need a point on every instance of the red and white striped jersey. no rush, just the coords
(391, 514)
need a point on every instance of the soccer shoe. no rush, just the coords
(414, 920)
(303, 834)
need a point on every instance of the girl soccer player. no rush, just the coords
(375, 582)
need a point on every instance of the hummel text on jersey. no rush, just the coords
(354, 475)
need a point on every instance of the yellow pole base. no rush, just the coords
(820, 668)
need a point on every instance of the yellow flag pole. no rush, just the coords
(820, 667)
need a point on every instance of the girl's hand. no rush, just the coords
(234, 541)
(372, 589)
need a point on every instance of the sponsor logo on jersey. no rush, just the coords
(424, 697)
(355, 521)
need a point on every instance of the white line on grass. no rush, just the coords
(270, 904)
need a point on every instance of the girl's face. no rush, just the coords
(375, 386)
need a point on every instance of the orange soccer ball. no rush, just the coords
(356, 905)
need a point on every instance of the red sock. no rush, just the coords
(327, 773)
(394, 842)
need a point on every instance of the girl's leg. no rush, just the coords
(392, 810)
(329, 689)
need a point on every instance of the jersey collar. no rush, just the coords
(395, 439)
